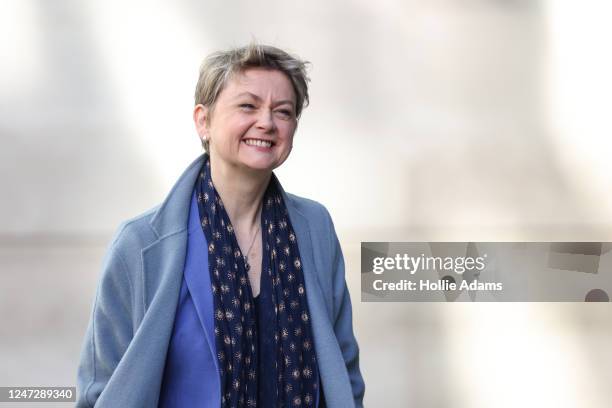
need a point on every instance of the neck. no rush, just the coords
(241, 191)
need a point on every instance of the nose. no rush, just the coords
(265, 121)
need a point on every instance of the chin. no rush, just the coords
(262, 163)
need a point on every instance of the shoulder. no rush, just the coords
(316, 216)
(311, 209)
(134, 234)
(122, 262)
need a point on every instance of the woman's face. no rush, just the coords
(253, 121)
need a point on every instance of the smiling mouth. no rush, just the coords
(259, 143)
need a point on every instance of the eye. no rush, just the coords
(286, 113)
(247, 106)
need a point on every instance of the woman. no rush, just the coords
(230, 293)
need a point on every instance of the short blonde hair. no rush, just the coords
(218, 67)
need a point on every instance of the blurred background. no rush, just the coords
(439, 120)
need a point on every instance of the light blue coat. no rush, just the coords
(124, 350)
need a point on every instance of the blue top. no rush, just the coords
(186, 380)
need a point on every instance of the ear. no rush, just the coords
(201, 119)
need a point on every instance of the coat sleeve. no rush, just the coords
(343, 319)
(109, 331)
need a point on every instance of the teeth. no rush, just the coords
(260, 143)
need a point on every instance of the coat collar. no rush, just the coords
(173, 214)
(164, 259)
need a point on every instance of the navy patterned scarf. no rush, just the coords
(277, 367)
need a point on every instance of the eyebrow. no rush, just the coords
(252, 95)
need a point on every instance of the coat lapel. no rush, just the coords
(163, 262)
(197, 277)
(304, 239)
(329, 356)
